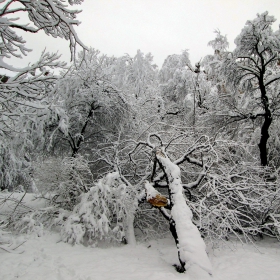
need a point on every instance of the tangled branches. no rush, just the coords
(227, 191)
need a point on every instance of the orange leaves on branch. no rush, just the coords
(158, 201)
(154, 197)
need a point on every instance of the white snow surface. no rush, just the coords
(46, 258)
(10, 201)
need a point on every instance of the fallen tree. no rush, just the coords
(190, 245)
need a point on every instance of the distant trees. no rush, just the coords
(137, 78)
(177, 84)
(184, 89)
(138, 73)
(92, 105)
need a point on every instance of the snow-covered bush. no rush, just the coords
(75, 178)
(101, 213)
(29, 224)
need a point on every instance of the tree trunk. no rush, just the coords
(190, 245)
(76, 147)
(264, 138)
(173, 231)
(129, 233)
(267, 122)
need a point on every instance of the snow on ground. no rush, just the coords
(46, 258)
(10, 201)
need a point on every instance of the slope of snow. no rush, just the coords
(45, 258)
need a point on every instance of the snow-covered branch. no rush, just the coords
(51, 16)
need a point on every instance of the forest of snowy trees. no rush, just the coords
(123, 151)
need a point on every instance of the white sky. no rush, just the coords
(162, 27)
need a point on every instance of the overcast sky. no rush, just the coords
(162, 27)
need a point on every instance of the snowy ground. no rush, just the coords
(45, 258)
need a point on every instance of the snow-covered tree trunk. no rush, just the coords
(131, 208)
(191, 247)
(129, 232)
(34, 188)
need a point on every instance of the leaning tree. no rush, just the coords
(167, 173)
